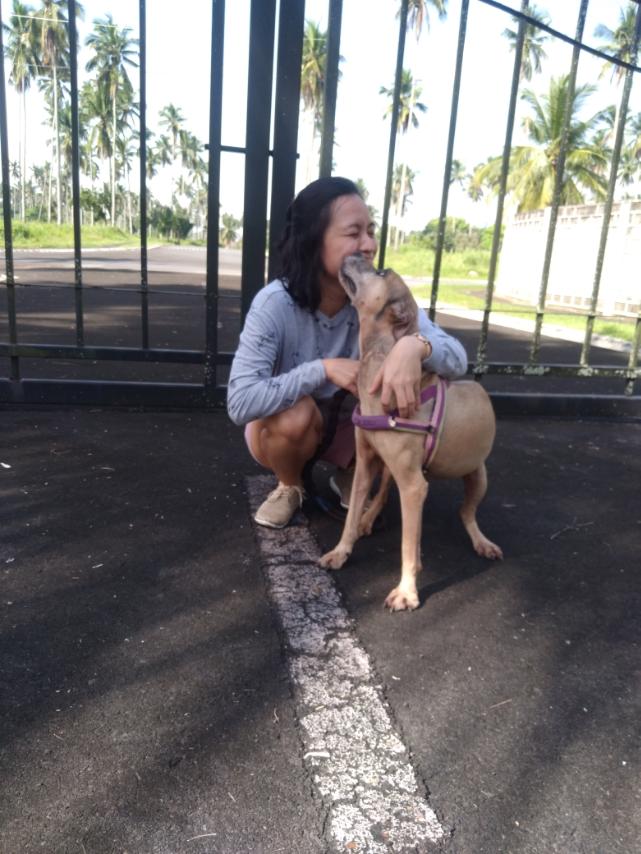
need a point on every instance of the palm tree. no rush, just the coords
(113, 52)
(53, 25)
(533, 168)
(172, 120)
(418, 14)
(621, 44)
(54, 45)
(409, 102)
(312, 80)
(409, 106)
(229, 229)
(533, 42)
(402, 187)
(22, 53)
(458, 174)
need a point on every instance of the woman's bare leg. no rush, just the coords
(284, 442)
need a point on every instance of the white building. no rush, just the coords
(572, 272)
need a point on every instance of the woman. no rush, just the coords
(299, 347)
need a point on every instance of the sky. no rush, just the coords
(178, 48)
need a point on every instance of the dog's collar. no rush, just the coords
(392, 422)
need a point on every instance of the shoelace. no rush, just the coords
(282, 488)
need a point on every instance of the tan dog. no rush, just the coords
(386, 311)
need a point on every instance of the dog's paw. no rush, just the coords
(486, 548)
(402, 600)
(334, 559)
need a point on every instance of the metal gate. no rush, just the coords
(275, 51)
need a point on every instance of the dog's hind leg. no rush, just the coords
(475, 487)
(413, 492)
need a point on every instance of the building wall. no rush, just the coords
(572, 272)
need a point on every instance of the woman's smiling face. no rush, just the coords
(350, 230)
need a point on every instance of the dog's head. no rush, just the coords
(381, 298)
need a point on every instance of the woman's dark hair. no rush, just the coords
(302, 241)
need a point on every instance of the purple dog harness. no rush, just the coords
(432, 429)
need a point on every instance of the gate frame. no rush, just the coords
(210, 394)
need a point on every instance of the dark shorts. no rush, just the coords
(342, 448)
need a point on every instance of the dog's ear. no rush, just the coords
(402, 307)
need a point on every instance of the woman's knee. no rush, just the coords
(301, 425)
(297, 423)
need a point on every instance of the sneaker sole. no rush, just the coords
(335, 489)
(267, 524)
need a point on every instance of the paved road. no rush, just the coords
(173, 681)
(112, 311)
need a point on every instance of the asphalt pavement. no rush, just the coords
(175, 680)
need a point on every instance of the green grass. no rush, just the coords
(36, 235)
(417, 261)
(472, 296)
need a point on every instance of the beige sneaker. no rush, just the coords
(341, 483)
(279, 507)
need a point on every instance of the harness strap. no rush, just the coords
(392, 422)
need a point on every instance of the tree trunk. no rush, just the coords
(50, 194)
(23, 165)
(399, 206)
(57, 138)
(113, 159)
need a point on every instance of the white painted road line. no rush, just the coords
(359, 765)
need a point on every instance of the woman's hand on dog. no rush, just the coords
(343, 373)
(399, 377)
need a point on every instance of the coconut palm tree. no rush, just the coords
(173, 121)
(54, 46)
(113, 52)
(314, 64)
(418, 14)
(458, 175)
(619, 42)
(409, 106)
(402, 187)
(22, 53)
(52, 21)
(533, 167)
(409, 102)
(533, 41)
(229, 229)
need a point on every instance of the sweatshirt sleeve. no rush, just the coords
(448, 357)
(254, 390)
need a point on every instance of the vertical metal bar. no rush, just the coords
(330, 87)
(259, 99)
(144, 275)
(291, 28)
(396, 102)
(14, 366)
(447, 177)
(633, 361)
(607, 211)
(75, 174)
(505, 167)
(213, 195)
(558, 184)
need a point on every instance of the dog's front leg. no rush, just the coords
(413, 491)
(366, 468)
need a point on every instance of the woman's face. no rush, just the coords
(350, 230)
